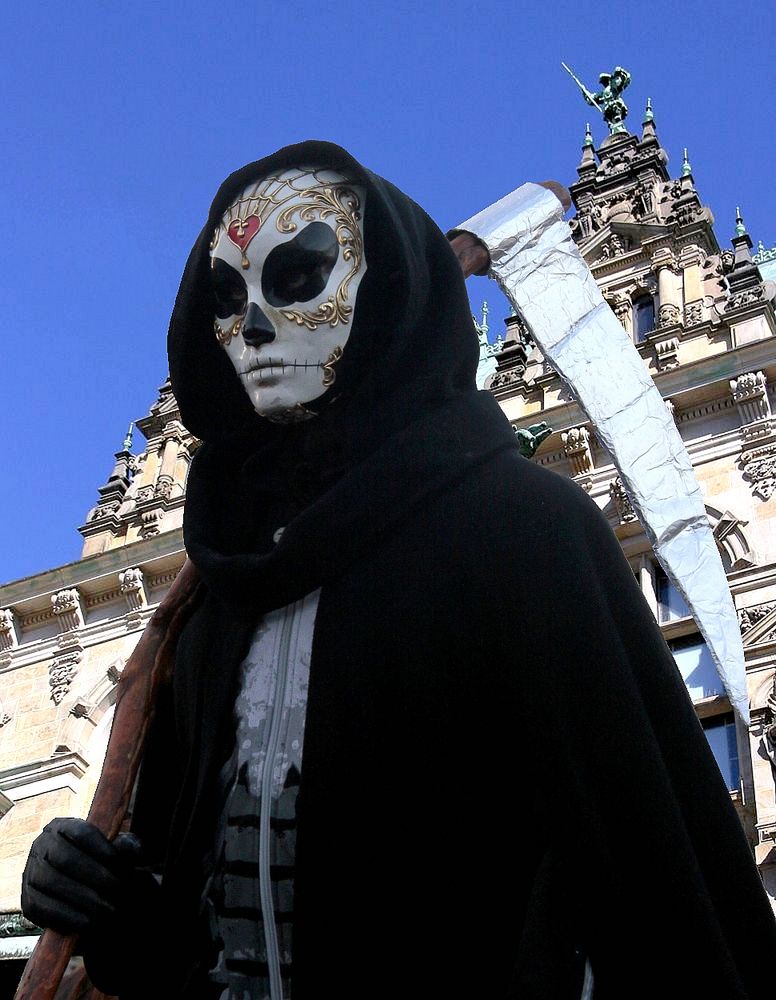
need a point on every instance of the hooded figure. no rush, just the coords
(485, 777)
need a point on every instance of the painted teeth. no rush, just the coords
(270, 367)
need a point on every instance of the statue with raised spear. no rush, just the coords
(608, 100)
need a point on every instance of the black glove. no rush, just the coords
(75, 879)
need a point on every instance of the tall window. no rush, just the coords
(643, 317)
(720, 731)
(670, 603)
(702, 681)
(696, 667)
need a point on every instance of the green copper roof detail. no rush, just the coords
(648, 115)
(740, 227)
(686, 168)
(127, 446)
(764, 254)
(588, 136)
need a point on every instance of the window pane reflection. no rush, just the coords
(721, 733)
(696, 667)
(643, 317)
(670, 603)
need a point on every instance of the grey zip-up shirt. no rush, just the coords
(251, 898)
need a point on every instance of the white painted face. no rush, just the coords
(286, 262)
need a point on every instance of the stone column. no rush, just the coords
(668, 296)
(647, 582)
(693, 284)
(66, 606)
(166, 478)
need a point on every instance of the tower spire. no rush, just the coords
(648, 124)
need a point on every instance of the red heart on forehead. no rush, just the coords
(242, 231)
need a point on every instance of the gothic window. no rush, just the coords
(643, 317)
(670, 603)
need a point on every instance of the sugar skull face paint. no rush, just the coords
(286, 262)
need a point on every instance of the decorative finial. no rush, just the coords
(686, 168)
(648, 115)
(484, 324)
(588, 141)
(740, 227)
(128, 439)
(608, 100)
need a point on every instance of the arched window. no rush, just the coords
(643, 317)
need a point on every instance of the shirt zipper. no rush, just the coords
(265, 883)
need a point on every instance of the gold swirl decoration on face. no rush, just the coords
(341, 203)
(225, 337)
(329, 375)
(320, 200)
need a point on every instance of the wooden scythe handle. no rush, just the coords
(149, 664)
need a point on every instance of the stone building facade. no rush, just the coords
(702, 318)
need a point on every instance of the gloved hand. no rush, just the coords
(75, 879)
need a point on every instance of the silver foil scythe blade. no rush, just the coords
(539, 268)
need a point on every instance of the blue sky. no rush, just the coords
(121, 120)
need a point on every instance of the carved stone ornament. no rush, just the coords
(131, 586)
(61, 673)
(621, 306)
(644, 199)
(667, 354)
(647, 283)
(749, 617)
(164, 485)
(144, 494)
(616, 247)
(668, 314)
(759, 467)
(502, 379)
(576, 444)
(7, 631)
(66, 606)
(746, 297)
(621, 501)
(105, 510)
(730, 538)
(750, 394)
(150, 524)
(114, 671)
(693, 313)
(5, 717)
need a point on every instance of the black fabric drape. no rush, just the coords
(503, 774)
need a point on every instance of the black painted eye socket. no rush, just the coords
(297, 271)
(229, 289)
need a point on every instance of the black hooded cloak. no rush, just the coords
(503, 775)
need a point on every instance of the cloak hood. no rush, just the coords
(412, 325)
(402, 418)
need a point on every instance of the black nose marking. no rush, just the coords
(257, 329)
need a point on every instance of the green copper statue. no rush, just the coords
(529, 438)
(608, 100)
